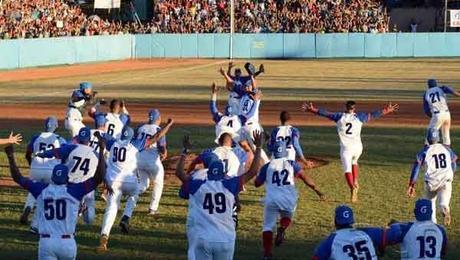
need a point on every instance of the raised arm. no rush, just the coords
(309, 107)
(160, 134)
(213, 103)
(258, 141)
(388, 109)
(450, 90)
(12, 139)
(99, 176)
(261, 70)
(227, 77)
(180, 171)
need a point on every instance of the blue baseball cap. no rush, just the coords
(344, 216)
(51, 124)
(154, 114)
(127, 133)
(85, 85)
(432, 83)
(216, 170)
(433, 136)
(208, 157)
(60, 174)
(279, 150)
(99, 120)
(84, 135)
(423, 209)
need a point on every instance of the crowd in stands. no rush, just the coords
(54, 18)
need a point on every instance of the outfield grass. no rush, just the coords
(385, 167)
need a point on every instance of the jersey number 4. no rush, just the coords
(214, 203)
(358, 251)
(276, 178)
(81, 164)
(54, 209)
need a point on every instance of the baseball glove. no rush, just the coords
(250, 68)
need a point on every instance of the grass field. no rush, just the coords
(385, 164)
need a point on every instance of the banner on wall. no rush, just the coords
(106, 4)
(455, 18)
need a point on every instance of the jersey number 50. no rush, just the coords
(54, 209)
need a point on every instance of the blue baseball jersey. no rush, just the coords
(240, 83)
(435, 100)
(290, 135)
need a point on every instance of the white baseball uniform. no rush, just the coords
(114, 124)
(290, 135)
(435, 104)
(74, 119)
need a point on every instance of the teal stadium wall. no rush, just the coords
(72, 50)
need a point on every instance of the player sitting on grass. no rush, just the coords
(210, 205)
(58, 204)
(348, 242)
(441, 163)
(349, 124)
(280, 194)
(421, 239)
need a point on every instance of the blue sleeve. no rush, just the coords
(426, 106)
(396, 233)
(79, 190)
(30, 146)
(296, 142)
(59, 153)
(110, 141)
(190, 187)
(216, 116)
(272, 138)
(125, 119)
(262, 176)
(377, 236)
(447, 90)
(323, 250)
(78, 95)
(332, 116)
(233, 185)
(242, 119)
(366, 117)
(241, 154)
(35, 188)
(297, 168)
(417, 164)
(453, 158)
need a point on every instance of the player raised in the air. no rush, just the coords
(349, 124)
(421, 239)
(281, 196)
(79, 99)
(58, 204)
(441, 163)
(211, 205)
(435, 106)
(347, 242)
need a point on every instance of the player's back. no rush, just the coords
(122, 162)
(249, 108)
(438, 162)
(437, 100)
(285, 133)
(58, 211)
(229, 124)
(114, 125)
(229, 159)
(93, 141)
(424, 240)
(210, 211)
(41, 143)
(148, 131)
(280, 184)
(349, 129)
(82, 162)
(350, 243)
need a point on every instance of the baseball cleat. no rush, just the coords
(25, 215)
(354, 195)
(153, 212)
(280, 236)
(102, 244)
(124, 224)
(447, 218)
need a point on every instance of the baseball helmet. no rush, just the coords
(423, 210)
(154, 115)
(279, 149)
(51, 124)
(432, 83)
(60, 174)
(216, 170)
(432, 136)
(127, 133)
(85, 85)
(344, 216)
(84, 135)
(100, 120)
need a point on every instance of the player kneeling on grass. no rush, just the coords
(58, 204)
(349, 124)
(41, 168)
(441, 163)
(280, 194)
(210, 205)
(348, 242)
(421, 239)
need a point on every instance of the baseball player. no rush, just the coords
(435, 106)
(280, 194)
(117, 118)
(290, 135)
(41, 168)
(421, 239)
(82, 161)
(441, 163)
(100, 124)
(80, 97)
(349, 124)
(348, 242)
(149, 161)
(57, 204)
(210, 206)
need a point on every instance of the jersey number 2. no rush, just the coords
(214, 203)
(348, 131)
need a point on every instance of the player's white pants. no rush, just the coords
(131, 190)
(441, 197)
(441, 121)
(271, 213)
(57, 248)
(206, 250)
(89, 201)
(156, 173)
(42, 175)
(349, 156)
(192, 242)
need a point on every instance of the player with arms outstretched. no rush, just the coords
(441, 164)
(349, 124)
